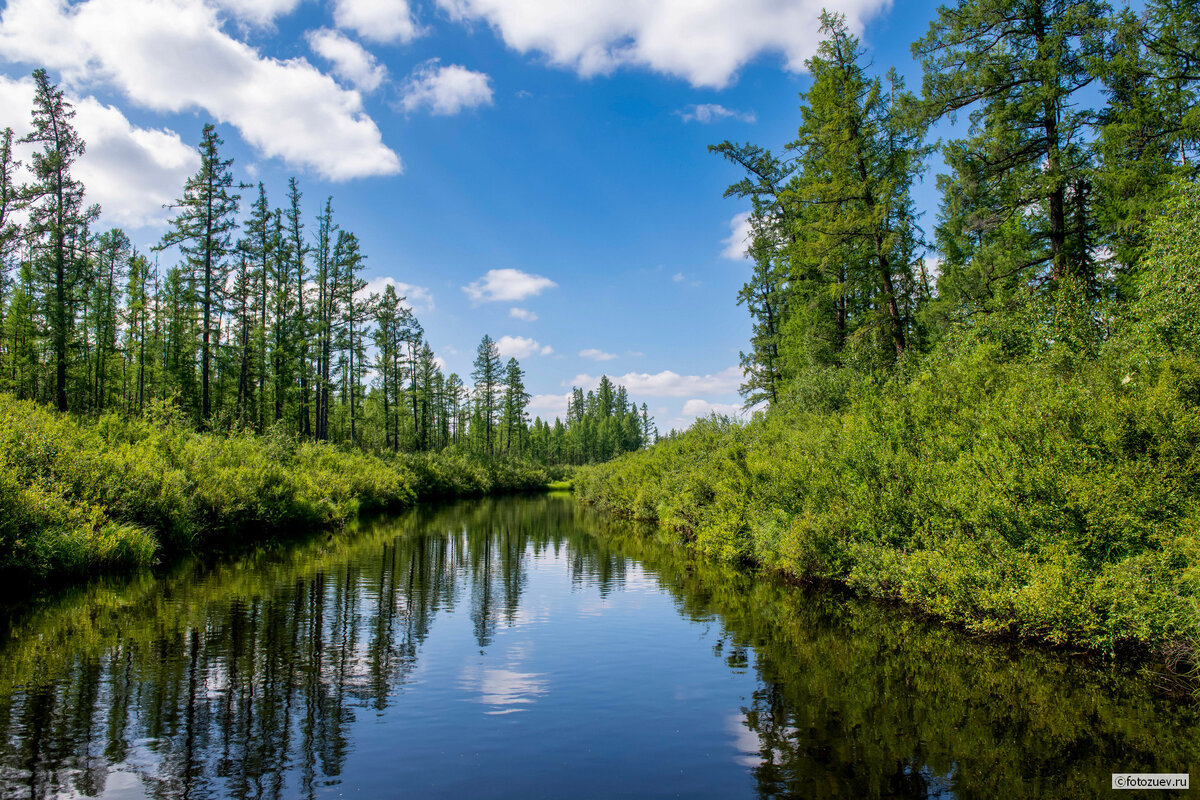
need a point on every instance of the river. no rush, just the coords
(530, 647)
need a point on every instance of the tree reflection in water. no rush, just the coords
(244, 679)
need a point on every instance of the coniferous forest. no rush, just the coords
(993, 415)
(251, 383)
(258, 540)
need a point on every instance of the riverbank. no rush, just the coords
(491, 613)
(1046, 498)
(83, 496)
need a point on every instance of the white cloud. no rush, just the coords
(521, 347)
(738, 240)
(597, 355)
(703, 42)
(174, 56)
(670, 384)
(445, 90)
(697, 407)
(259, 12)
(377, 20)
(418, 298)
(711, 112)
(351, 62)
(130, 171)
(506, 285)
(677, 277)
(522, 313)
(933, 267)
(505, 688)
(549, 406)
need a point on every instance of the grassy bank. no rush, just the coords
(80, 496)
(1001, 482)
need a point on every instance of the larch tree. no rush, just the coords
(10, 232)
(294, 251)
(773, 222)
(1008, 215)
(258, 243)
(516, 399)
(57, 214)
(858, 147)
(356, 313)
(326, 265)
(113, 253)
(1149, 129)
(138, 313)
(202, 228)
(488, 385)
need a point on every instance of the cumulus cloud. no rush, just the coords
(259, 12)
(174, 56)
(703, 43)
(711, 112)
(521, 347)
(351, 62)
(670, 384)
(506, 285)
(377, 20)
(739, 237)
(522, 313)
(597, 354)
(445, 91)
(697, 407)
(131, 172)
(418, 298)
(549, 406)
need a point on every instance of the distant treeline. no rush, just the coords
(1002, 430)
(264, 323)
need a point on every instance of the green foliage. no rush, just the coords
(1002, 482)
(1168, 304)
(80, 496)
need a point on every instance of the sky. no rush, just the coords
(536, 170)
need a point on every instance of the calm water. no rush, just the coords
(531, 648)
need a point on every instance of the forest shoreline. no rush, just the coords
(1050, 502)
(91, 496)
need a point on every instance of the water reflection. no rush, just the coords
(255, 679)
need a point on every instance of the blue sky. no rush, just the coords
(532, 169)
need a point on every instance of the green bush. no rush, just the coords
(84, 496)
(1045, 497)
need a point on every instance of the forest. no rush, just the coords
(995, 419)
(253, 385)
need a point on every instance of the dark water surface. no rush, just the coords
(528, 647)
